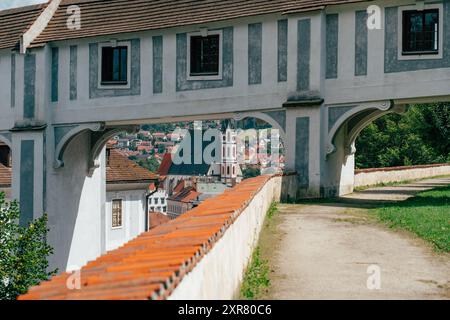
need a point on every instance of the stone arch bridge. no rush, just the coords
(311, 69)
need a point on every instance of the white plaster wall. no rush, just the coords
(364, 179)
(133, 217)
(75, 208)
(219, 274)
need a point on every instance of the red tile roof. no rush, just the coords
(120, 169)
(165, 165)
(185, 195)
(157, 219)
(152, 265)
(106, 17)
(5, 176)
(15, 22)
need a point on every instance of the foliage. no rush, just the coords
(23, 251)
(251, 172)
(273, 210)
(427, 215)
(150, 164)
(420, 136)
(256, 278)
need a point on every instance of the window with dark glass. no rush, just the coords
(114, 65)
(421, 32)
(205, 55)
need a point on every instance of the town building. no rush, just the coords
(127, 192)
(157, 201)
(184, 197)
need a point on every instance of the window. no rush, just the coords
(117, 213)
(115, 65)
(205, 56)
(421, 31)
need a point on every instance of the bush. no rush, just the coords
(23, 251)
(420, 136)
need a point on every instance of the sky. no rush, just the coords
(6, 4)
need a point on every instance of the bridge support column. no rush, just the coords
(29, 171)
(302, 149)
(76, 203)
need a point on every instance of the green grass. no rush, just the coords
(427, 215)
(256, 278)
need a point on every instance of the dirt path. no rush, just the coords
(323, 251)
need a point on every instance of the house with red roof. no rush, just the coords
(184, 198)
(127, 193)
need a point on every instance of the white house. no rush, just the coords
(127, 190)
(157, 201)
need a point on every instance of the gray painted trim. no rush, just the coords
(391, 62)
(332, 39)
(334, 113)
(13, 80)
(303, 54)
(302, 151)
(26, 182)
(279, 117)
(6, 137)
(254, 53)
(29, 86)
(73, 89)
(55, 67)
(44, 176)
(135, 81)
(227, 69)
(361, 43)
(282, 50)
(157, 64)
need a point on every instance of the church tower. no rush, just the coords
(230, 171)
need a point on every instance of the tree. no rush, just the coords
(150, 164)
(23, 251)
(420, 136)
(251, 172)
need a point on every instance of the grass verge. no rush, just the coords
(256, 278)
(427, 215)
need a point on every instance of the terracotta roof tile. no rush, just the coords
(165, 165)
(107, 17)
(15, 22)
(153, 264)
(121, 169)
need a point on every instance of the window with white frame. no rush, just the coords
(421, 31)
(116, 218)
(115, 65)
(204, 55)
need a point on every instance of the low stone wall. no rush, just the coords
(219, 274)
(200, 255)
(371, 177)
